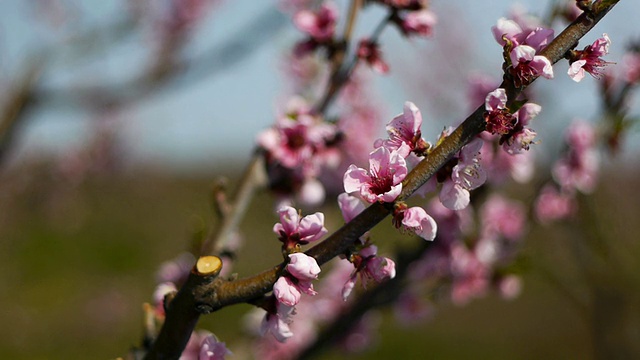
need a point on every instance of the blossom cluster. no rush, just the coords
(574, 172)
(293, 230)
(522, 42)
(297, 149)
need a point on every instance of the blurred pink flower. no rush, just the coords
(370, 52)
(552, 205)
(419, 22)
(321, 24)
(278, 324)
(502, 217)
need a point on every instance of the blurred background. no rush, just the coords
(116, 117)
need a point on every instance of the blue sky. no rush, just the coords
(219, 115)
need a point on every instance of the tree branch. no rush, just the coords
(199, 296)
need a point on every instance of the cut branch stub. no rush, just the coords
(208, 266)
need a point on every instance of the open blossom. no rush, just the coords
(510, 31)
(515, 135)
(416, 219)
(521, 137)
(526, 65)
(404, 132)
(294, 229)
(320, 25)
(589, 59)
(460, 175)
(523, 45)
(383, 181)
(499, 120)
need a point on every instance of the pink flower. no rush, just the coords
(293, 230)
(303, 267)
(286, 291)
(515, 136)
(212, 349)
(453, 196)
(631, 62)
(553, 205)
(381, 268)
(297, 143)
(468, 172)
(517, 34)
(278, 324)
(420, 22)
(521, 137)
(466, 175)
(578, 169)
(417, 220)
(350, 206)
(320, 25)
(502, 217)
(510, 286)
(470, 276)
(520, 141)
(404, 132)
(383, 182)
(370, 52)
(589, 59)
(498, 118)
(526, 65)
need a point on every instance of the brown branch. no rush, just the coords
(182, 313)
(341, 73)
(199, 296)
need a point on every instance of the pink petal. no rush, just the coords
(496, 100)
(454, 196)
(312, 227)
(576, 70)
(355, 178)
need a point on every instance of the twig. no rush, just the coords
(253, 178)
